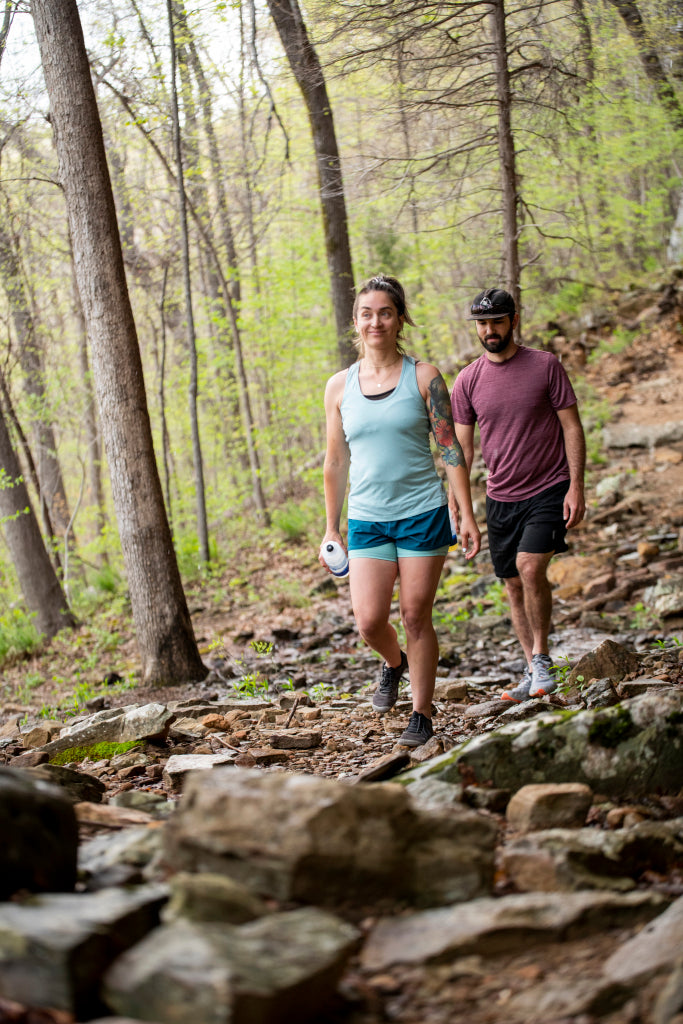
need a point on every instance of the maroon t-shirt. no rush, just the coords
(515, 405)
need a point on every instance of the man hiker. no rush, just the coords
(533, 445)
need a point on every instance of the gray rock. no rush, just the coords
(40, 835)
(55, 948)
(631, 749)
(179, 766)
(434, 794)
(601, 694)
(655, 946)
(75, 785)
(564, 860)
(666, 597)
(488, 927)
(187, 729)
(119, 858)
(301, 837)
(114, 725)
(279, 969)
(634, 435)
(206, 897)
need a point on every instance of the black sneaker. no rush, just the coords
(418, 732)
(386, 693)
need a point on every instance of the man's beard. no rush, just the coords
(494, 343)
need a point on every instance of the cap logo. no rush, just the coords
(485, 303)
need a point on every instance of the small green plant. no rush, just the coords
(251, 685)
(261, 647)
(561, 672)
(668, 643)
(322, 691)
(642, 617)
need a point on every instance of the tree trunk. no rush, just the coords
(309, 75)
(51, 482)
(92, 437)
(37, 578)
(506, 151)
(164, 630)
(649, 57)
(197, 460)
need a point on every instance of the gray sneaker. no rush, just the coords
(543, 681)
(521, 691)
(386, 694)
(418, 732)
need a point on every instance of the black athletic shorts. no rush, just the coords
(535, 525)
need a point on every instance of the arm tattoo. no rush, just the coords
(441, 420)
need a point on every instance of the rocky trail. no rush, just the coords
(266, 852)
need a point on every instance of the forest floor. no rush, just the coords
(282, 596)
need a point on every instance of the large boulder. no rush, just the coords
(631, 749)
(55, 947)
(281, 968)
(114, 725)
(39, 836)
(301, 837)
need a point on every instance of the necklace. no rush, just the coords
(381, 380)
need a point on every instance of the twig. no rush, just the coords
(295, 705)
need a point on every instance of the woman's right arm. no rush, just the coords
(337, 459)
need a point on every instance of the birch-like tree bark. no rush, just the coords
(164, 632)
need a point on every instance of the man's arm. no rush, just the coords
(575, 447)
(465, 435)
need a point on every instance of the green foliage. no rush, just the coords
(18, 634)
(96, 752)
(293, 522)
(619, 340)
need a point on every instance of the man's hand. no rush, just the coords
(574, 506)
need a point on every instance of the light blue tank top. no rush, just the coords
(392, 473)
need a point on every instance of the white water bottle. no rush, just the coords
(335, 558)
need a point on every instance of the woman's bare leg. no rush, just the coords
(419, 580)
(371, 582)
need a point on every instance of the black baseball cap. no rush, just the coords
(492, 303)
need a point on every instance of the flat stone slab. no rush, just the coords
(292, 739)
(658, 945)
(489, 926)
(179, 766)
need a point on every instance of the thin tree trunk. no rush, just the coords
(506, 151)
(37, 578)
(308, 72)
(26, 454)
(92, 437)
(164, 630)
(200, 495)
(50, 479)
(231, 279)
(649, 58)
